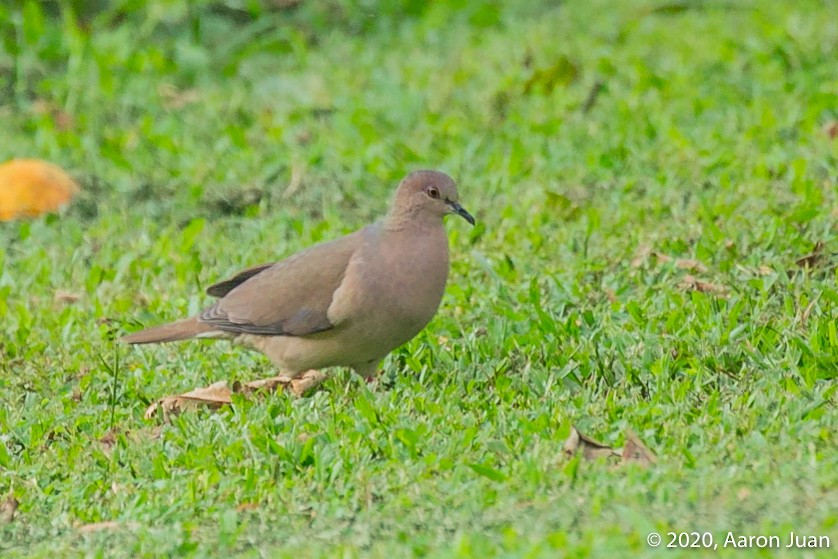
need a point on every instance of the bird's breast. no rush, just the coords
(408, 280)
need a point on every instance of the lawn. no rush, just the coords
(656, 251)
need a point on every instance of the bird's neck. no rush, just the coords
(410, 220)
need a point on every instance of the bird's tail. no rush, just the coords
(180, 330)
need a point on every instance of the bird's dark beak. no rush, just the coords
(461, 211)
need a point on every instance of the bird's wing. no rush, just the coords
(289, 298)
(222, 288)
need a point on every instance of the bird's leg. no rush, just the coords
(367, 371)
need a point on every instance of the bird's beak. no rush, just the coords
(461, 211)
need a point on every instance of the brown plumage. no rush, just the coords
(347, 302)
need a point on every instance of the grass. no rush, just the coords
(608, 150)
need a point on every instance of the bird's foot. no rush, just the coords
(374, 377)
(296, 385)
(219, 394)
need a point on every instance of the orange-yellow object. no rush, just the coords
(31, 187)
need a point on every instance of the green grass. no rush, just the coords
(184, 123)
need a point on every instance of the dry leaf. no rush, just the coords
(661, 257)
(213, 396)
(611, 296)
(636, 452)
(645, 253)
(804, 318)
(814, 258)
(30, 187)
(590, 448)
(62, 119)
(108, 440)
(174, 98)
(642, 254)
(102, 526)
(8, 510)
(691, 283)
(247, 506)
(831, 129)
(66, 297)
(219, 394)
(691, 265)
(296, 181)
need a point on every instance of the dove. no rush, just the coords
(347, 302)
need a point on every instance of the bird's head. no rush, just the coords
(429, 193)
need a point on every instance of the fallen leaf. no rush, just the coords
(804, 318)
(8, 510)
(247, 506)
(590, 448)
(304, 137)
(174, 98)
(30, 187)
(62, 119)
(814, 258)
(691, 265)
(106, 525)
(690, 282)
(212, 396)
(296, 181)
(66, 297)
(646, 253)
(636, 452)
(642, 254)
(661, 257)
(831, 129)
(108, 440)
(219, 394)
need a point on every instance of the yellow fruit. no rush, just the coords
(30, 187)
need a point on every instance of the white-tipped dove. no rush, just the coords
(348, 302)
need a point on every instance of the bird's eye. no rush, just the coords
(433, 192)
